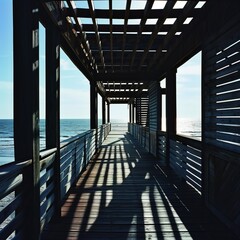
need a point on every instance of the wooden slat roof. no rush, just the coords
(126, 37)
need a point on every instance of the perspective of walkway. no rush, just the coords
(126, 194)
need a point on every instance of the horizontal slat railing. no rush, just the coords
(47, 195)
(185, 154)
(186, 160)
(11, 213)
(75, 154)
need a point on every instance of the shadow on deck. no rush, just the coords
(125, 194)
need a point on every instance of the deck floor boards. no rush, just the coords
(125, 194)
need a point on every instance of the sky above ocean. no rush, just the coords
(75, 89)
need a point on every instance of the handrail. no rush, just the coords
(183, 154)
(74, 156)
(12, 169)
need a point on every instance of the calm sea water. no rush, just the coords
(72, 127)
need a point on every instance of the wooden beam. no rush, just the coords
(120, 14)
(129, 28)
(78, 27)
(124, 77)
(53, 105)
(98, 40)
(170, 108)
(26, 108)
(159, 25)
(141, 27)
(212, 22)
(123, 86)
(128, 5)
(70, 42)
(103, 110)
(93, 106)
(108, 112)
(130, 112)
(179, 22)
(111, 31)
(118, 94)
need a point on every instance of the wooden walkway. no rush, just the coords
(125, 194)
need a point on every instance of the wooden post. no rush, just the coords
(133, 113)
(103, 111)
(26, 108)
(130, 112)
(94, 106)
(108, 112)
(94, 111)
(170, 108)
(53, 105)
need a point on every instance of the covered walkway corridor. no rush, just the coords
(131, 52)
(126, 194)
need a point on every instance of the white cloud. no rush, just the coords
(6, 93)
(192, 70)
(66, 65)
(74, 103)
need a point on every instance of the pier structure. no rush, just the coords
(160, 184)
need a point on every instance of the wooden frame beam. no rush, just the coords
(93, 106)
(26, 108)
(53, 105)
(70, 42)
(103, 110)
(142, 23)
(78, 28)
(179, 22)
(120, 14)
(158, 27)
(124, 76)
(170, 108)
(128, 5)
(204, 28)
(92, 12)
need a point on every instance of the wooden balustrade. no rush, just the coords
(185, 154)
(75, 154)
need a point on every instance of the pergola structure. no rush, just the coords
(125, 48)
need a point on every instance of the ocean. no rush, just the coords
(72, 127)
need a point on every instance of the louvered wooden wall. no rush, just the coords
(154, 115)
(221, 125)
(141, 104)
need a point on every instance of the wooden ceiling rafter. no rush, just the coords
(120, 14)
(111, 31)
(147, 9)
(128, 5)
(81, 34)
(105, 28)
(158, 27)
(92, 13)
(179, 22)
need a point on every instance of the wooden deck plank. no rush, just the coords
(125, 194)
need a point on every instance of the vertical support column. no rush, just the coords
(130, 112)
(133, 112)
(26, 108)
(108, 112)
(94, 111)
(159, 109)
(170, 108)
(94, 106)
(53, 105)
(103, 111)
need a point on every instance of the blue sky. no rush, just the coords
(75, 87)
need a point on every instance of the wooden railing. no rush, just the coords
(75, 154)
(183, 154)
(186, 160)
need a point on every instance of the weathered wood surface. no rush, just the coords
(126, 194)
